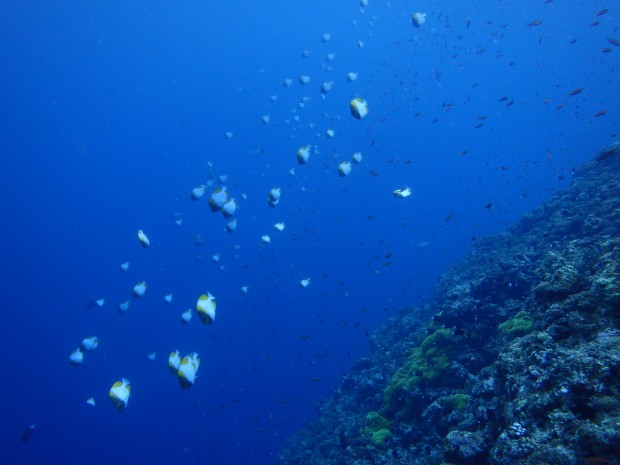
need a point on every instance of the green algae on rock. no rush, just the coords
(520, 325)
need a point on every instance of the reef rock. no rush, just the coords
(516, 359)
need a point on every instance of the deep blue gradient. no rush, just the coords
(111, 112)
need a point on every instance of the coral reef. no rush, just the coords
(516, 359)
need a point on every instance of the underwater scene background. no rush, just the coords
(114, 112)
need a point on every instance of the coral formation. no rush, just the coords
(520, 325)
(516, 359)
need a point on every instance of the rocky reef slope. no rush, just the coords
(515, 360)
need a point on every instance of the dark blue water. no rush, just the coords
(110, 115)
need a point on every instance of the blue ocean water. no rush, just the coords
(114, 112)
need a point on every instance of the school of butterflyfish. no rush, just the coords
(221, 201)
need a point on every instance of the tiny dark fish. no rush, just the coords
(503, 99)
(477, 126)
(593, 23)
(509, 104)
(481, 117)
(504, 168)
(536, 22)
(600, 113)
(574, 41)
(602, 12)
(373, 173)
(576, 91)
(315, 379)
(488, 206)
(606, 50)
(614, 42)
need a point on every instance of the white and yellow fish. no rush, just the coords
(139, 289)
(344, 168)
(174, 360)
(205, 307)
(231, 225)
(274, 197)
(90, 343)
(218, 198)
(76, 358)
(188, 369)
(119, 394)
(144, 240)
(186, 316)
(402, 193)
(359, 108)
(229, 208)
(303, 154)
(418, 18)
(198, 192)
